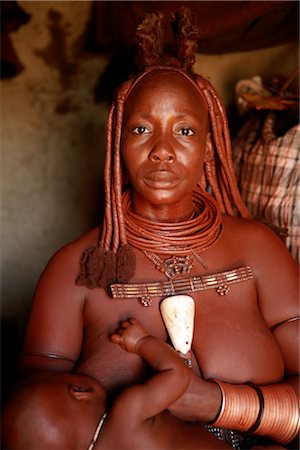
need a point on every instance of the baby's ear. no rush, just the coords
(81, 393)
(209, 150)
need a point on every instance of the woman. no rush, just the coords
(163, 234)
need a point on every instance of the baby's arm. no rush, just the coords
(172, 377)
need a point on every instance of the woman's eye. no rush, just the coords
(140, 130)
(185, 132)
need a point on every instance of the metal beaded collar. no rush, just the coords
(145, 292)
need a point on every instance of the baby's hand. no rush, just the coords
(129, 335)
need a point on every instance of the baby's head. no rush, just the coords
(54, 411)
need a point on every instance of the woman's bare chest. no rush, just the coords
(231, 340)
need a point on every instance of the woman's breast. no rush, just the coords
(113, 366)
(232, 341)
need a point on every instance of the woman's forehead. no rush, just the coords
(160, 83)
(161, 78)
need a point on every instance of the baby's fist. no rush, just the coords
(129, 334)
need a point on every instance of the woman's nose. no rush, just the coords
(162, 151)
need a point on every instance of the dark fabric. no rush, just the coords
(12, 17)
(225, 26)
(236, 439)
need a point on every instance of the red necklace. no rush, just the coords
(179, 239)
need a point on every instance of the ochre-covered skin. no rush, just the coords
(167, 134)
(232, 340)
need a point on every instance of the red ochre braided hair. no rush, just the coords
(113, 260)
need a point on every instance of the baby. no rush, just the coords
(60, 411)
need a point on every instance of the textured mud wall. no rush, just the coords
(52, 142)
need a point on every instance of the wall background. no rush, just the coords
(53, 141)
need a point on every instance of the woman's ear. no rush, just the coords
(81, 393)
(209, 150)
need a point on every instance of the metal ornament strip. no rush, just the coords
(144, 292)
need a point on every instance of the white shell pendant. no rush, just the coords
(178, 314)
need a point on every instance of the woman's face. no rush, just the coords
(163, 144)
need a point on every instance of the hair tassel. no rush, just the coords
(91, 267)
(125, 263)
(109, 272)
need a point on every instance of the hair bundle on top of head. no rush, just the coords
(150, 34)
(113, 260)
(186, 33)
(152, 48)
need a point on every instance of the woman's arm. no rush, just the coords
(55, 328)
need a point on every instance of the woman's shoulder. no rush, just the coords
(69, 256)
(78, 245)
(248, 229)
(255, 239)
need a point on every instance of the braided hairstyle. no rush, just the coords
(112, 260)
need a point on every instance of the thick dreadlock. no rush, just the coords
(113, 260)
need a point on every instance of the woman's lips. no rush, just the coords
(161, 179)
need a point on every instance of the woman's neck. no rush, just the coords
(164, 213)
